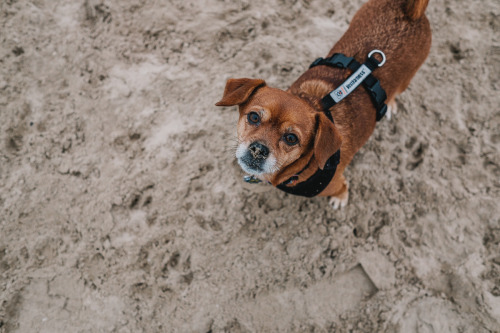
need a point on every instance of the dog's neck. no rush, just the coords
(312, 91)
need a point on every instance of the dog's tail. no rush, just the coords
(415, 9)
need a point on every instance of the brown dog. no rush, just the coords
(285, 137)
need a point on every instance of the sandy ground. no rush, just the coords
(122, 208)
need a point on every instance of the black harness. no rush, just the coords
(361, 75)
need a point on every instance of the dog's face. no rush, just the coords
(278, 133)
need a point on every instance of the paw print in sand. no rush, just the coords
(416, 157)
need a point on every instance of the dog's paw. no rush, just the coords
(339, 201)
(392, 109)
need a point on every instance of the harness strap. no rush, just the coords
(371, 84)
(317, 182)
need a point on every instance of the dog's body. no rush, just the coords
(286, 133)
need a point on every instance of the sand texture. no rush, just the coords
(122, 208)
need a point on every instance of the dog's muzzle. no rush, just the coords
(254, 159)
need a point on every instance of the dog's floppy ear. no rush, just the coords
(237, 91)
(327, 140)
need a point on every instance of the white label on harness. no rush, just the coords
(350, 84)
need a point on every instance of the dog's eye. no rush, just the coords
(253, 118)
(291, 139)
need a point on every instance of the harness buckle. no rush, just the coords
(316, 62)
(380, 64)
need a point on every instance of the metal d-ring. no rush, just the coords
(379, 52)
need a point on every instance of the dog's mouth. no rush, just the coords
(255, 159)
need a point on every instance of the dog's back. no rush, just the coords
(400, 29)
(415, 9)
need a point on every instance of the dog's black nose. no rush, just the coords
(258, 150)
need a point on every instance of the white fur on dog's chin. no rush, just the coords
(269, 166)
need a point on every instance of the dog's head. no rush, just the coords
(278, 132)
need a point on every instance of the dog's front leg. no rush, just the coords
(338, 192)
